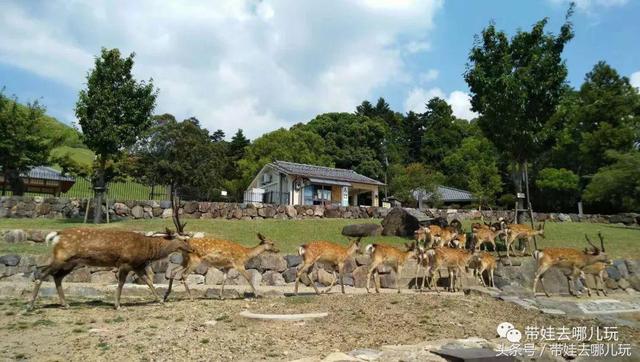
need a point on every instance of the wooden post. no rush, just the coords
(106, 202)
(526, 180)
(86, 211)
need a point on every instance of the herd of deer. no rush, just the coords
(435, 247)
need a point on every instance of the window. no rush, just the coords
(308, 195)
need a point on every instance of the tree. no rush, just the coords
(235, 152)
(616, 187)
(516, 85)
(474, 166)
(21, 146)
(413, 127)
(443, 133)
(560, 188)
(414, 177)
(295, 145)
(182, 155)
(112, 111)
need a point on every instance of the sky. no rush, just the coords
(262, 65)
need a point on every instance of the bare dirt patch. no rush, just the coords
(213, 330)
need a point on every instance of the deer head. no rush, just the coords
(268, 244)
(541, 229)
(354, 244)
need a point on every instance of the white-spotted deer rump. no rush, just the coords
(389, 255)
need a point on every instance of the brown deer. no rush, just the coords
(385, 254)
(599, 271)
(519, 231)
(487, 235)
(221, 254)
(483, 261)
(570, 261)
(452, 259)
(459, 241)
(327, 252)
(126, 250)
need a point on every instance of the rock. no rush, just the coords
(10, 260)
(272, 278)
(159, 278)
(366, 354)
(552, 311)
(37, 236)
(611, 284)
(293, 260)
(634, 280)
(623, 283)
(238, 279)
(15, 236)
(193, 279)
(201, 269)
(360, 276)
(388, 280)
(564, 217)
(613, 273)
(167, 213)
(363, 259)
(403, 222)
(339, 357)
(121, 209)
(190, 207)
(626, 219)
(633, 266)
(590, 281)
(213, 277)
(267, 212)
(267, 261)
(137, 212)
(291, 211)
(362, 230)
(621, 265)
(289, 275)
(160, 266)
(175, 258)
(214, 293)
(325, 278)
(80, 275)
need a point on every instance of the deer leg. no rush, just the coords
(304, 269)
(333, 282)
(540, 276)
(122, 277)
(372, 267)
(376, 280)
(602, 285)
(246, 275)
(491, 278)
(224, 280)
(451, 281)
(340, 269)
(341, 274)
(36, 288)
(481, 277)
(142, 274)
(398, 276)
(57, 278)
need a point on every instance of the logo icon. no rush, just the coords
(509, 331)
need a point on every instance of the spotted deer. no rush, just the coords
(483, 261)
(487, 236)
(221, 254)
(599, 271)
(570, 261)
(519, 231)
(454, 260)
(327, 252)
(385, 254)
(125, 250)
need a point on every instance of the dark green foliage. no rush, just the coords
(406, 179)
(616, 187)
(443, 133)
(559, 189)
(22, 146)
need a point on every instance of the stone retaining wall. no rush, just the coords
(52, 207)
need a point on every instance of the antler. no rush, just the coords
(595, 248)
(601, 240)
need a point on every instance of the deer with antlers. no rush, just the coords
(221, 254)
(126, 250)
(385, 254)
(327, 252)
(570, 261)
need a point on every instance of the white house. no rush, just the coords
(289, 183)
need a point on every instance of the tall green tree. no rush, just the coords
(616, 187)
(443, 133)
(474, 166)
(560, 188)
(414, 177)
(295, 145)
(516, 85)
(235, 152)
(112, 111)
(182, 155)
(22, 146)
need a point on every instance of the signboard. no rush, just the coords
(345, 196)
(520, 195)
(223, 193)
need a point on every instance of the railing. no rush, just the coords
(268, 197)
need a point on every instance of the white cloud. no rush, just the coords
(429, 76)
(418, 46)
(635, 79)
(249, 64)
(459, 101)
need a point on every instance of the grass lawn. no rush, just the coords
(620, 241)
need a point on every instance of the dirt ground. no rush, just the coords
(210, 329)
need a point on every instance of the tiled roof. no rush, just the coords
(47, 173)
(450, 194)
(328, 173)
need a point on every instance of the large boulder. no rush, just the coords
(362, 230)
(403, 222)
(15, 236)
(273, 278)
(267, 261)
(289, 275)
(213, 277)
(10, 260)
(293, 260)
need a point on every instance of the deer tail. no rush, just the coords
(370, 248)
(538, 254)
(52, 238)
(302, 249)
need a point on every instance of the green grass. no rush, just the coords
(82, 156)
(620, 241)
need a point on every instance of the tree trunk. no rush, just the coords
(99, 189)
(526, 180)
(175, 206)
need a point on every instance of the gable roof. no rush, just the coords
(321, 172)
(47, 173)
(449, 194)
